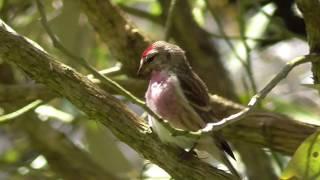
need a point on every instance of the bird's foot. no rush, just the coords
(187, 154)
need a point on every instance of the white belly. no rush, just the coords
(166, 137)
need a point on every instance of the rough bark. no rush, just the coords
(265, 129)
(126, 43)
(54, 145)
(273, 130)
(311, 14)
(200, 50)
(204, 58)
(122, 38)
(100, 105)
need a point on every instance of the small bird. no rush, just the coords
(179, 96)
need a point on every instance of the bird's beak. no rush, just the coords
(140, 70)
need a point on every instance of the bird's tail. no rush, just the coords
(221, 156)
(224, 159)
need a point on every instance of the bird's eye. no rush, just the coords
(149, 58)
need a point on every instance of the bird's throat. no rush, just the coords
(161, 94)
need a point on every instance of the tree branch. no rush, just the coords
(63, 156)
(169, 19)
(255, 100)
(7, 117)
(201, 52)
(245, 62)
(124, 41)
(98, 104)
(311, 14)
(262, 128)
(156, 19)
(104, 79)
(267, 129)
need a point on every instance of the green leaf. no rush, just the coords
(305, 163)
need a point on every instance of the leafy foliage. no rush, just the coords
(264, 34)
(305, 163)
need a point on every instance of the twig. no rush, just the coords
(259, 96)
(104, 79)
(113, 71)
(82, 61)
(224, 35)
(108, 110)
(248, 65)
(210, 127)
(176, 132)
(7, 117)
(169, 19)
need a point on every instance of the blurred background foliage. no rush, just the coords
(254, 38)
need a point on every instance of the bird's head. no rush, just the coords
(160, 56)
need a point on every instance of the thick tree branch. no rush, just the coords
(262, 128)
(203, 54)
(200, 50)
(126, 43)
(55, 146)
(63, 156)
(98, 104)
(123, 40)
(30, 92)
(311, 14)
(104, 79)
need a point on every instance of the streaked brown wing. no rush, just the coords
(197, 94)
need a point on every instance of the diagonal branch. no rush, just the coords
(7, 117)
(255, 100)
(100, 105)
(124, 41)
(104, 79)
(201, 52)
(284, 133)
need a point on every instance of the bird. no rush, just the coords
(178, 95)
